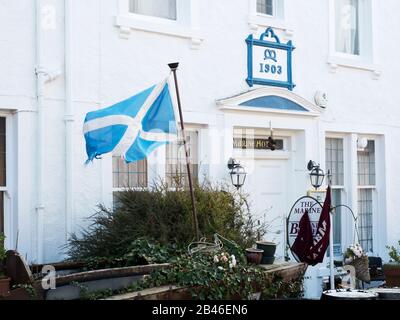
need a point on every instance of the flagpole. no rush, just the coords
(174, 67)
(331, 259)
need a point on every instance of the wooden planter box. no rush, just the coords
(69, 279)
(288, 272)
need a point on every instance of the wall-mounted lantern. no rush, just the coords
(317, 175)
(237, 172)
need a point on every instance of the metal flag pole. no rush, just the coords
(174, 67)
(331, 259)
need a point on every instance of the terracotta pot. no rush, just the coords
(392, 274)
(254, 255)
(4, 286)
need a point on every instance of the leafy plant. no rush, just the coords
(164, 216)
(394, 253)
(219, 277)
(86, 294)
(140, 252)
(28, 288)
(353, 252)
(212, 276)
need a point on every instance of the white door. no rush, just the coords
(266, 185)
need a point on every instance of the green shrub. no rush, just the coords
(394, 253)
(164, 216)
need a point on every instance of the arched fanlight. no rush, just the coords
(317, 175)
(238, 173)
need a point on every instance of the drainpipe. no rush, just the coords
(43, 76)
(40, 80)
(69, 123)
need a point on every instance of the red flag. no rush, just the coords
(321, 239)
(304, 240)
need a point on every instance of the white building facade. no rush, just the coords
(61, 59)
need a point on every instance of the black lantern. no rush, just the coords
(238, 173)
(317, 175)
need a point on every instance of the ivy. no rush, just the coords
(28, 288)
(208, 280)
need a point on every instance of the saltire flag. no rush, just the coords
(134, 127)
(304, 240)
(321, 239)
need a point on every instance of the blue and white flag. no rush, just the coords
(134, 127)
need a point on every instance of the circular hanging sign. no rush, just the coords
(314, 209)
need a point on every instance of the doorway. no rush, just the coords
(267, 185)
(3, 178)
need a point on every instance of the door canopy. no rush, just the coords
(272, 100)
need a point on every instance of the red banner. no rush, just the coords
(304, 240)
(321, 239)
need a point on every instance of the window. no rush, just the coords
(156, 8)
(269, 8)
(334, 163)
(175, 170)
(366, 165)
(178, 18)
(352, 36)
(334, 160)
(347, 13)
(3, 184)
(365, 218)
(266, 7)
(366, 186)
(132, 175)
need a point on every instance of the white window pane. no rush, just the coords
(175, 169)
(265, 7)
(131, 175)
(365, 226)
(157, 8)
(334, 160)
(347, 26)
(366, 165)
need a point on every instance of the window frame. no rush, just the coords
(9, 190)
(374, 197)
(198, 144)
(121, 189)
(361, 33)
(340, 187)
(185, 26)
(141, 15)
(274, 10)
(364, 61)
(3, 188)
(257, 19)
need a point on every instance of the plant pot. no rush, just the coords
(392, 274)
(268, 247)
(254, 256)
(4, 286)
(362, 269)
(268, 260)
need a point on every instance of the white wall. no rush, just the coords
(107, 68)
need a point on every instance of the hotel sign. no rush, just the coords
(256, 144)
(314, 209)
(269, 62)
